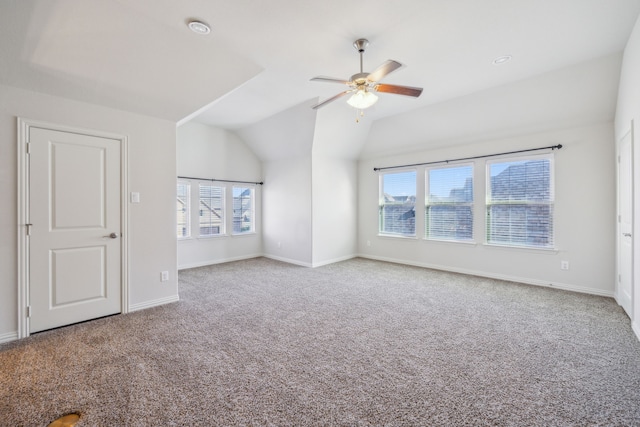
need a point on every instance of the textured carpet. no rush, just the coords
(356, 343)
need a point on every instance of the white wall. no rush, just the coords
(584, 215)
(286, 210)
(628, 110)
(335, 209)
(208, 152)
(152, 241)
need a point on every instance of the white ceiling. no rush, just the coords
(139, 55)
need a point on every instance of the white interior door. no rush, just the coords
(624, 291)
(75, 248)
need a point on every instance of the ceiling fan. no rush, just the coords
(363, 85)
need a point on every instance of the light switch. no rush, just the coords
(135, 197)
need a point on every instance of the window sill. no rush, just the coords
(458, 242)
(397, 236)
(215, 236)
(549, 251)
(247, 234)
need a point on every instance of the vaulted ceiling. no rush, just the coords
(140, 56)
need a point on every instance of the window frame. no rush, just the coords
(428, 203)
(489, 203)
(381, 204)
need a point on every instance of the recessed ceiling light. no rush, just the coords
(199, 27)
(502, 59)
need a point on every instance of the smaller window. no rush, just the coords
(397, 203)
(243, 210)
(211, 210)
(449, 203)
(183, 203)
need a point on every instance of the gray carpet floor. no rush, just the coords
(356, 343)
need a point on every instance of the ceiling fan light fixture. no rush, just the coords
(362, 99)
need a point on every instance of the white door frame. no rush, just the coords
(24, 125)
(617, 296)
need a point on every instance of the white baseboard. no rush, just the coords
(311, 265)
(636, 328)
(334, 260)
(9, 336)
(153, 303)
(217, 261)
(288, 260)
(524, 280)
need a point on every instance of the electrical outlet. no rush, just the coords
(164, 276)
(564, 265)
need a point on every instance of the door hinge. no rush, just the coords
(28, 148)
(619, 278)
(28, 311)
(28, 229)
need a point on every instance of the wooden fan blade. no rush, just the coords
(384, 69)
(400, 90)
(330, 80)
(333, 98)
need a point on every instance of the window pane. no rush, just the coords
(520, 203)
(397, 203)
(183, 210)
(449, 210)
(450, 222)
(211, 210)
(243, 211)
(520, 225)
(525, 180)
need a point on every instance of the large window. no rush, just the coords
(243, 211)
(520, 202)
(211, 210)
(183, 203)
(397, 215)
(449, 203)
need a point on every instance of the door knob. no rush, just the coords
(626, 234)
(113, 235)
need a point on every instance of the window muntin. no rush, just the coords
(397, 200)
(449, 203)
(520, 199)
(243, 210)
(211, 210)
(183, 210)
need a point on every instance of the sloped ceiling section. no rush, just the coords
(340, 132)
(286, 135)
(114, 54)
(572, 96)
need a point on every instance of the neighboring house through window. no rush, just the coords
(243, 210)
(449, 203)
(520, 200)
(211, 210)
(397, 201)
